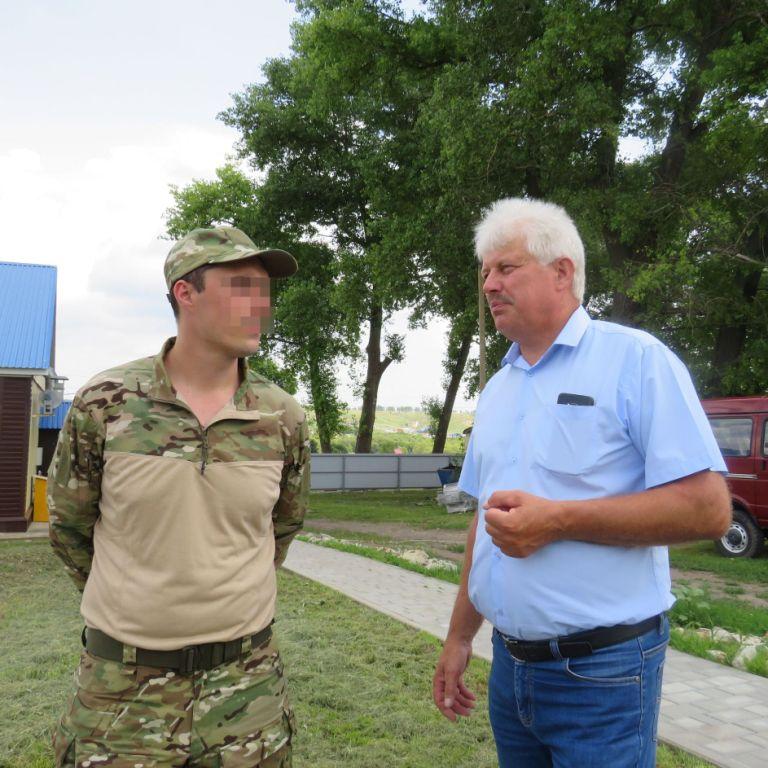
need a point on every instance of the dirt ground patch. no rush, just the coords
(440, 543)
(435, 540)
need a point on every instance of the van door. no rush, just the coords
(734, 435)
(761, 470)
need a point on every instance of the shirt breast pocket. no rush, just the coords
(573, 439)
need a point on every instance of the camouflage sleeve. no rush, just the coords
(288, 513)
(74, 487)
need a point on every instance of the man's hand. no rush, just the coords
(520, 523)
(450, 694)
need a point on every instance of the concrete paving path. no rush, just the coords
(715, 712)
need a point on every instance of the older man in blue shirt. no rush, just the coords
(590, 452)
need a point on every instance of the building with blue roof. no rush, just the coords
(30, 389)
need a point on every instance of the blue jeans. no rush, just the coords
(598, 711)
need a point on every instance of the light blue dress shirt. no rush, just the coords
(646, 428)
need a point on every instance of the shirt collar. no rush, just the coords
(161, 388)
(570, 335)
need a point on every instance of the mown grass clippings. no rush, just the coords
(453, 575)
(360, 681)
(344, 533)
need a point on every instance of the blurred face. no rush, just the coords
(523, 294)
(233, 309)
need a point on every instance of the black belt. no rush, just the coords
(185, 661)
(579, 643)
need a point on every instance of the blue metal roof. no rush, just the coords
(27, 315)
(56, 419)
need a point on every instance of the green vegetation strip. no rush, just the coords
(360, 681)
(413, 508)
(445, 574)
(694, 608)
(702, 556)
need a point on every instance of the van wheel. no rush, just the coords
(743, 538)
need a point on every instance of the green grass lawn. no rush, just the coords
(701, 556)
(360, 681)
(694, 608)
(414, 508)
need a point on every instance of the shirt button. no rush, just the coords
(513, 460)
(529, 373)
(521, 417)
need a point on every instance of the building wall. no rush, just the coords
(15, 477)
(35, 403)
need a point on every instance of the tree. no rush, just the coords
(333, 129)
(675, 237)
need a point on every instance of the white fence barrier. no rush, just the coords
(366, 471)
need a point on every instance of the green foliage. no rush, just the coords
(271, 370)
(695, 607)
(381, 139)
(433, 408)
(676, 238)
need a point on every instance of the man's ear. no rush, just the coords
(565, 271)
(182, 292)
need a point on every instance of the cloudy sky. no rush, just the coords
(103, 105)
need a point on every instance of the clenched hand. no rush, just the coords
(520, 523)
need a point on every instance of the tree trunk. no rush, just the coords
(316, 393)
(731, 338)
(457, 372)
(623, 308)
(375, 369)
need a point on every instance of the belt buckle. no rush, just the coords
(188, 658)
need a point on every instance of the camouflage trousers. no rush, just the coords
(126, 716)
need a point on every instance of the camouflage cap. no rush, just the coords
(220, 245)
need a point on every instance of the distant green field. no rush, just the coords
(399, 429)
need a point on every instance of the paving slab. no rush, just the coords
(714, 712)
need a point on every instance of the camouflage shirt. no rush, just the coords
(172, 530)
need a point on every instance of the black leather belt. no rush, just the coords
(579, 643)
(185, 661)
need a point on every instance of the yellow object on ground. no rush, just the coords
(40, 509)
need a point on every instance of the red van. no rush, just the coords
(740, 425)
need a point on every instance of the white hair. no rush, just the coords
(548, 231)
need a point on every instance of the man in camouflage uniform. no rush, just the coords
(178, 483)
